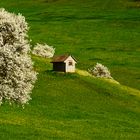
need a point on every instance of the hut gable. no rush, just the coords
(64, 63)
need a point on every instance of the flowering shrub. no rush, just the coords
(100, 71)
(43, 50)
(16, 67)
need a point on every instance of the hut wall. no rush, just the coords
(70, 64)
(59, 66)
(70, 68)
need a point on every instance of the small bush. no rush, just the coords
(43, 50)
(100, 71)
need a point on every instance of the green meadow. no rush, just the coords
(72, 106)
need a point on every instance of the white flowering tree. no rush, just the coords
(43, 50)
(16, 67)
(100, 71)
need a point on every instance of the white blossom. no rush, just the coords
(100, 71)
(43, 50)
(16, 67)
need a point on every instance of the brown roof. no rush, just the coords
(61, 58)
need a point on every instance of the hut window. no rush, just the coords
(70, 63)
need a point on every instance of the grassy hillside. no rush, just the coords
(67, 106)
(72, 106)
(92, 30)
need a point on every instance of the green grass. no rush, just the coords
(72, 106)
(92, 30)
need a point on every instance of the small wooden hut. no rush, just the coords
(64, 63)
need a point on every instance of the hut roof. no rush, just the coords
(61, 58)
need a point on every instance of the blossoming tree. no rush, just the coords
(43, 50)
(100, 71)
(17, 76)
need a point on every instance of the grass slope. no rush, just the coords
(70, 106)
(73, 106)
(92, 30)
